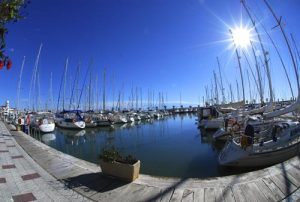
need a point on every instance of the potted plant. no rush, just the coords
(112, 163)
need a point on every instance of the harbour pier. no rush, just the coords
(31, 170)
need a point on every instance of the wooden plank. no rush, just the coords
(199, 195)
(238, 194)
(295, 173)
(188, 195)
(256, 192)
(266, 191)
(118, 192)
(177, 195)
(209, 194)
(166, 194)
(292, 179)
(285, 186)
(218, 194)
(151, 194)
(274, 189)
(247, 193)
(227, 194)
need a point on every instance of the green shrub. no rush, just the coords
(112, 154)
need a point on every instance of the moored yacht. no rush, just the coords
(70, 120)
(43, 121)
(282, 144)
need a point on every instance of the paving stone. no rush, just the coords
(8, 166)
(24, 197)
(30, 176)
(2, 180)
(11, 146)
(17, 157)
(3, 151)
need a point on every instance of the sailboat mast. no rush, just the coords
(103, 102)
(263, 49)
(141, 98)
(249, 87)
(231, 94)
(206, 94)
(50, 93)
(74, 84)
(295, 45)
(287, 43)
(238, 91)
(19, 83)
(38, 99)
(281, 60)
(97, 93)
(136, 98)
(251, 70)
(33, 78)
(221, 79)
(216, 88)
(65, 81)
(180, 100)
(259, 78)
(240, 66)
(90, 90)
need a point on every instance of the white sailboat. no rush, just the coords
(43, 122)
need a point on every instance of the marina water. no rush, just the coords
(170, 147)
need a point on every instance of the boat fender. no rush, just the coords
(244, 142)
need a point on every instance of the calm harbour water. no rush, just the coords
(171, 147)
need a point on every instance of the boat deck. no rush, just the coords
(59, 175)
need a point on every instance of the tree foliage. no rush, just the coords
(10, 11)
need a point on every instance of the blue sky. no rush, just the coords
(167, 46)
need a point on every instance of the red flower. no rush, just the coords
(9, 64)
(1, 64)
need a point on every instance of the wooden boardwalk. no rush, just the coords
(276, 183)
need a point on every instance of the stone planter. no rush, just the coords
(126, 172)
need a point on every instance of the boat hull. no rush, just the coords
(267, 158)
(47, 128)
(71, 125)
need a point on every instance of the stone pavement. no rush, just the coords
(22, 179)
(280, 182)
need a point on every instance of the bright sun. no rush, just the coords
(241, 37)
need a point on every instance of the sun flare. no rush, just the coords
(241, 37)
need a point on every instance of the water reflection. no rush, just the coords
(46, 138)
(170, 146)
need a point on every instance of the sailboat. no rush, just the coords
(70, 119)
(280, 144)
(43, 121)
